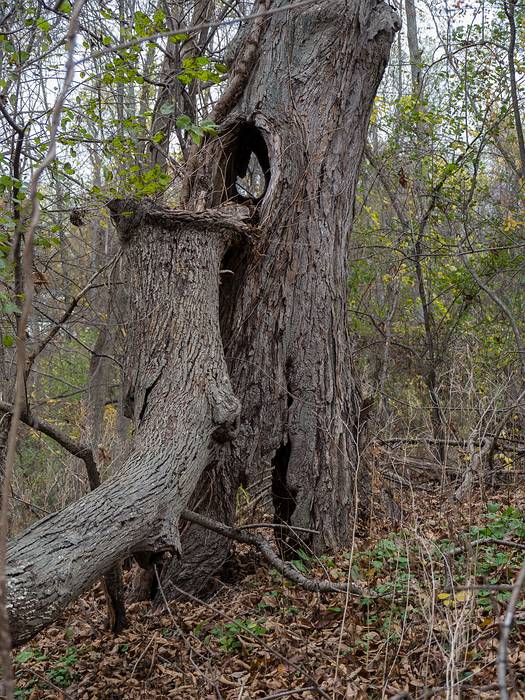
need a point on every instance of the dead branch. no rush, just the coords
(77, 449)
(486, 540)
(283, 567)
(506, 625)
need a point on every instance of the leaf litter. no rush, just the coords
(418, 633)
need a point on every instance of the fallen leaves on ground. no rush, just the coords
(264, 636)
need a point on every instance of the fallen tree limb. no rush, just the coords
(283, 567)
(486, 540)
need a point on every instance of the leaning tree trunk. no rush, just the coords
(303, 115)
(184, 408)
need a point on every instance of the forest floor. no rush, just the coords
(416, 634)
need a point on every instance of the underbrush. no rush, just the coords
(427, 624)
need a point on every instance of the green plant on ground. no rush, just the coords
(62, 673)
(229, 633)
(303, 562)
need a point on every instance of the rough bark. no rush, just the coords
(304, 114)
(183, 405)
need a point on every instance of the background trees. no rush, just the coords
(435, 290)
(435, 256)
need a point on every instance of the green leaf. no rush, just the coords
(177, 38)
(43, 24)
(183, 122)
(300, 566)
(8, 341)
(24, 656)
(167, 108)
(195, 135)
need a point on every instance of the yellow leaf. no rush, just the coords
(443, 596)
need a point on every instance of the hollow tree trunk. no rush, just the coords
(304, 115)
(184, 408)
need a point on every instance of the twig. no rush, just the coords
(479, 587)
(67, 313)
(32, 506)
(292, 691)
(486, 540)
(276, 526)
(506, 626)
(45, 680)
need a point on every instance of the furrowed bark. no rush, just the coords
(183, 406)
(304, 114)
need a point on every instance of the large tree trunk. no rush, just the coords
(304, 115)
(184, 408)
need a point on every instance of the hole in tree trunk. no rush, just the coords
(233, 269)
(245, 170)
(283, 499)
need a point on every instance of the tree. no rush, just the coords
(276, 372)
(439, 240)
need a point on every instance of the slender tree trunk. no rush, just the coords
(432, 360)
(510, 9)
(6, 394)
(413, 47)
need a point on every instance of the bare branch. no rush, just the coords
(283, 567)
(67, 313)
(506, 626)
(5, 636)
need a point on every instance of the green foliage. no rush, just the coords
(501, 523)
(229, 634)
(196, 131)
(30, 653)
(61, 672)
(203, 69)
(302, 564)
